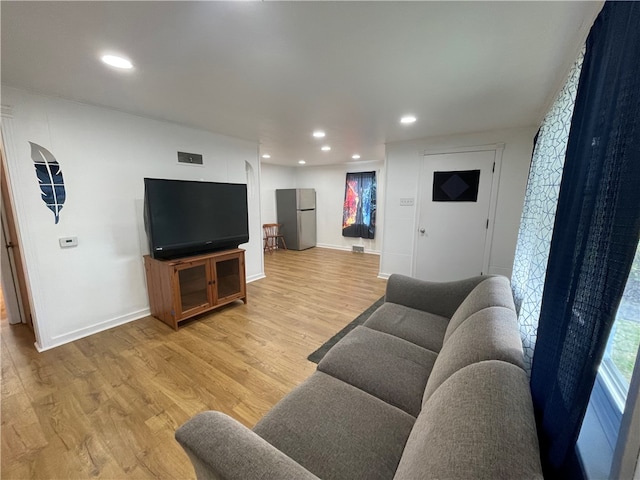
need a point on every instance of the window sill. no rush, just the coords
(594, 450)
(599, 433)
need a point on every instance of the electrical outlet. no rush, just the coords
(406, 202)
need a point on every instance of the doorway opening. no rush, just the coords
(16, 307)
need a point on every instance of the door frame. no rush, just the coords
(18, 273)
(498, 148)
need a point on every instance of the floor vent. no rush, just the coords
(357, 248)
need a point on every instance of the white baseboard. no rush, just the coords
(86, 331)
(345, 248)
(106, 325)
(384, 276)
(257, 276)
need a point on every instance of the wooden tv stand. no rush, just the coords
(184, 287)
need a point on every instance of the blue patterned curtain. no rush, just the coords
(539, 212)
(359, 211)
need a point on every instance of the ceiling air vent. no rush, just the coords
(189, 158)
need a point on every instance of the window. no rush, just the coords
(622, 348)
(601, 425)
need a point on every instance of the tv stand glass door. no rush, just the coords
(193, 287)
(228, 281)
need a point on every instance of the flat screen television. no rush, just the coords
(186, 217)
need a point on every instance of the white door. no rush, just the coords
(7, 274)
(452, 240)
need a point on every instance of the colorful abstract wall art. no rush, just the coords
(359, 211)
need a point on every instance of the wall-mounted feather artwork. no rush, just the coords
(50, 178)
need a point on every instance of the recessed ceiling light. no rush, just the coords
(355, 157)
(326, 148)
(266, 155)
(117, 62)
(301, 162)
(408, 119)
(319, 134)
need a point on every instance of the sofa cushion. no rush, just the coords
(383, 365)
(492, 292)
(478, 424)
(337, 431)
(490, 334)
(422, 328)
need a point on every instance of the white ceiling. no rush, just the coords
(273, 72)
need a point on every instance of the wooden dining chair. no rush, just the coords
(272, 236)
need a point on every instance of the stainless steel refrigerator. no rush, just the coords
(297, 216)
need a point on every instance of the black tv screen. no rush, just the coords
(186, 217)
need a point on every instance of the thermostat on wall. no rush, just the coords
(66, 242)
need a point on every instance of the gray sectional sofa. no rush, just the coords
(431, 387)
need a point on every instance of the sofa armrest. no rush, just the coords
(221, 448)
(441, 298)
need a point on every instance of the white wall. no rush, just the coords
(104, 156)
(329, 182)
(272, 178)
(404, 160)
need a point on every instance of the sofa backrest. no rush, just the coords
(440, 298)
(492, 292)
(478, 424)
(489, 334)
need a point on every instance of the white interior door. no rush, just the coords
(452, 235)
(7, 275)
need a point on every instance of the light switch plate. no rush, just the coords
(406, 202)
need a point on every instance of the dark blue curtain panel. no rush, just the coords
(595, 235)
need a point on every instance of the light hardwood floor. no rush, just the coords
(107, 406)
